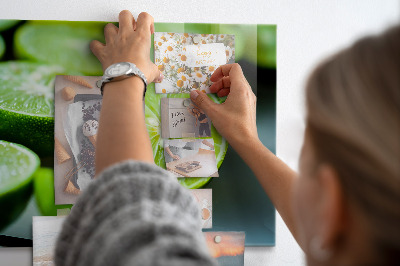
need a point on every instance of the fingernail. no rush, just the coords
(160, 78)
(194, 94)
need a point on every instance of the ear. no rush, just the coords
(332, 208)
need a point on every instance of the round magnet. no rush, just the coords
(187, 102)
(98, 83)
(217, 239)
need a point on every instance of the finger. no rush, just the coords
(223, 92)
(201, 100)
(145, 23)
(110, 31)
(126, 22)
(157, 76)
(152, 28)
(227, 70)
(97, 48)
(225, 82)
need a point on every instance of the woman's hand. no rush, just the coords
(235, 119)
(129, 43)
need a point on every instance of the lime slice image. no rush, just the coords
(7, 23)
(17, 166)
(153, 123)
(2, 47)
(266, 46)
(65, 44)
(43, 186)
(26, 104)
(43, 189)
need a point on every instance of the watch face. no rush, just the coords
(117, 69)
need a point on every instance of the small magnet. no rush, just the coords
(98, 83)
(187, 102)
(217, 239)
(196, 39)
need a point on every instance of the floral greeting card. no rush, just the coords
(188, 60)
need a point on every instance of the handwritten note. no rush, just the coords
(177, 118)
(205, 55)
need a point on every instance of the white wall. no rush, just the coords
(307, 32)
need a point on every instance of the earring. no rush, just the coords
(317, 251)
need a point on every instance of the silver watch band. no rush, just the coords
(135, 71)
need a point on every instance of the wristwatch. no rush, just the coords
(120, 71)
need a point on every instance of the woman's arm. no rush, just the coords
(274, 175)
(235, 119)
(134, 213)
(122, 131)
(190, 111)
(175, 157)
(207, 143)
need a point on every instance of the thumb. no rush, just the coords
(202, 101)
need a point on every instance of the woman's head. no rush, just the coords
(350, 161)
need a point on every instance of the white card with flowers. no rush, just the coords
(188, 60)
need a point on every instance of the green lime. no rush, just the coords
(43, 187)
(43, 184)
(153, 123)
(266, 46)
(26, 104)
(2, 47)
(17, 166)
(7, 23)
(65, 44)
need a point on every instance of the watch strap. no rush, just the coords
(135, 71)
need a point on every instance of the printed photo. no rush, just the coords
(204, 199)
(191, 157)
(226, 247)
(188, 60)
(77, 112)
(45, 230)
(180, 118)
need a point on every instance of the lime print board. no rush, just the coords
(34, 52)
(74, 152)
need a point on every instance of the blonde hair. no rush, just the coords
(353, 120)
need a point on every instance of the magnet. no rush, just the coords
(187, 102)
